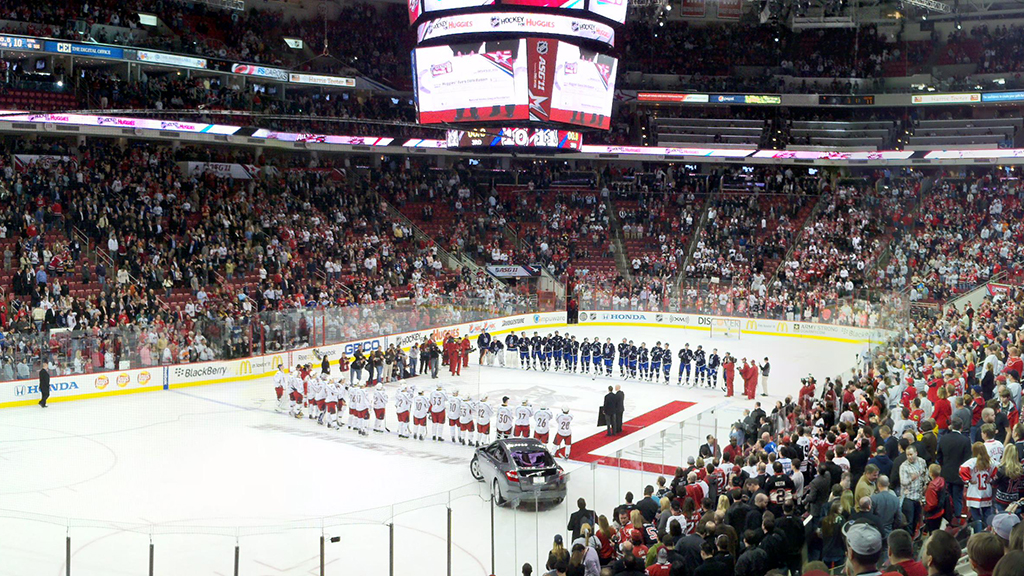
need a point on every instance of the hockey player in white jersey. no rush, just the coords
(438, 403)
(542, 424)
(380, 402)
(295, 406)
(503, 422)
(318, 390)
(280, 383)
(523, 414)
(362, 402)
(454, 412)
(420, 408)
(466, 410)
(483, 415)
(331, 394)
(563, 433)
(403, 405)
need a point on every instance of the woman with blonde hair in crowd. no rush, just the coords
(1009, 481)
(605, 534)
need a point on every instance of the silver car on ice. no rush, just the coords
(519, 470)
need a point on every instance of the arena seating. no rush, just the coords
(973, 132)
(720, 132)
(877, 134)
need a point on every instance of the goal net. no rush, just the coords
(725, 328)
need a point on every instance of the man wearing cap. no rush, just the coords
(863, 549)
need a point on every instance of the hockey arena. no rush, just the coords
(202, 447)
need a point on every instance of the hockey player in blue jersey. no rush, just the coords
(700, 366)
(548, 346)
(631, 354)
(608, 353)
(666, 363)
(556, 350)
(585, 356)
(685, 363)
(623, 349)
(512, 349)
(572, 348)
(655, 362)
(643, 361)
(536, 351)
(714, 361)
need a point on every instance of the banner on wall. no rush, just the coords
(693, 8)
(84, 385)
(540, 62)
(514, 271)
(23, 161)
(730, 9)
(222, 170)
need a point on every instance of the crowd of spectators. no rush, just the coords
(909, 464)
(179, 254)
(964, 233)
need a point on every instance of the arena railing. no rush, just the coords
(141, 345)
(463, 530)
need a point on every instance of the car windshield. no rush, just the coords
(532, 458)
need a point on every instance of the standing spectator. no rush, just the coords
(579, 518)
(954, 450)
(1009, 480)
(44, 384)
(977, 474)
(620, 408)
(886, 505)
(765, 369)
(913, 479)
(609, 411)
(941, 554)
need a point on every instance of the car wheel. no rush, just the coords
(498, 498)
(474, 469)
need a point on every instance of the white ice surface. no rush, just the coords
(198, 470)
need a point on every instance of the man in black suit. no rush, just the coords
(620, 408)
(44, 384)
(581, 517)
(954, 450)
(609, 411)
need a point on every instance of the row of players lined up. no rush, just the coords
(565, 353)
(469, 421)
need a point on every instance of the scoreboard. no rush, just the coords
(516, 138)
(500, 63)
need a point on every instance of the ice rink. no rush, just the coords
(198, 471)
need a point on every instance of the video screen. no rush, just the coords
(472, 82)
(611, 9)
(583, 87)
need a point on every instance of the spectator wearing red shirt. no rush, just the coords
(942, 411)
(901, 553)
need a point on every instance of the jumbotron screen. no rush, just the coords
(611, 9)
(537, 79)
(480, 82)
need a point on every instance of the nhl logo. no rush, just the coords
(659, 318)
(542, 48)
(495, 21)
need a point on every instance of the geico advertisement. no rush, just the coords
(83, 384)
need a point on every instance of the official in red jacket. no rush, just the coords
(464, 349)
(729, 373)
